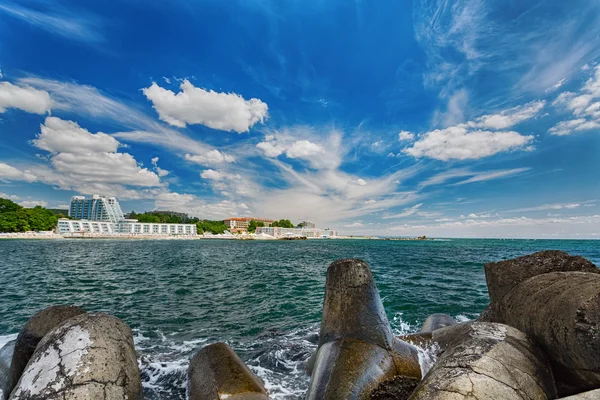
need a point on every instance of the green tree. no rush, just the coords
(41, 219)
(7, 205)
(252, 225)
(214, 227)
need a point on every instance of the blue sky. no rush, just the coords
(445, 118)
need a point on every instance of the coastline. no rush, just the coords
(88, 236)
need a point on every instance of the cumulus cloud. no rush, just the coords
(60, 136)
(318, 151)
(360, 182)
(354, 225)
(33, 203)
(210, 157)
(509, 118)
(192, 105)
(304, 149)
(405, 135)
(196, 207)
(117, 168)
(10, 173)
(159, 171)
(461, 143)
(24, 98)
(584, 106)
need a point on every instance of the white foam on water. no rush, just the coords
(462, 318)
(401, 327)
(4, 339)
(427, 357)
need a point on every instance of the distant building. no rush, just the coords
(297, 232)
(307, 224)
(241, 224)
(127, 226)
(102, 215)
(96, 208)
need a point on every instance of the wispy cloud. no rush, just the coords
(59, 21)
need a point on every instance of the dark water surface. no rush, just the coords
(264, 298)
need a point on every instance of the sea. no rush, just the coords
(263, 298)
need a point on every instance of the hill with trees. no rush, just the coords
(16, 218)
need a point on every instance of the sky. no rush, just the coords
(443, 118)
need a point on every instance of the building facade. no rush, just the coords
(241, 224)
(124, 227)
(312, 233)
(307, 224)
(96, 208)
(100, 215)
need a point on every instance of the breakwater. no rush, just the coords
(177, 296)
(69, 352)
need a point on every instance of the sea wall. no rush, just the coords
(538, 339)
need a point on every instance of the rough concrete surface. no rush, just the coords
(90, 356)
(493, 361)
(217, 373)
(28, 339)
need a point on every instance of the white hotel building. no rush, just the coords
(100, 215)
(312, 233)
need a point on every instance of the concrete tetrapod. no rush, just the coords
(488, 361)
(357, 350)
(34, 330)
(558, 310)
(90, 356)
(6, 353)
(217, 373)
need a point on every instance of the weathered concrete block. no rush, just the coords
(591, 395)
(357, 350)
(492, 361)
(503, 276)
(90, 356)
(561, 312)
(397, 388)
(34, 330)
(436, 321)
(216, 373)
(6, 353)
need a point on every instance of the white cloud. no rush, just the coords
(223, 111)
(60, 136)
(460, 143)
(24, 98)
(544, 207)
(360, 182)
(9, 196)
(486, 176)
(113, 168)
(57, 20)
(33, 203)
(406, 212)
(159, 171)
(405, 135)
(583, 226)
(304, 149)
(354, 225)
(197, 207)
(212, 175)
(318, 151)
(509, 118)
(557, 85)
(567, 127)
(584, 106)
(210, 157)
(10, 173)
(370, 201)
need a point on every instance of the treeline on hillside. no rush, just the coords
(15, 218)
(214, 227)
(283, 223)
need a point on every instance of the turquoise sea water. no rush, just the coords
(263, 298)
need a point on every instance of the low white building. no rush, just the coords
(123, 227)
(296, 232)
